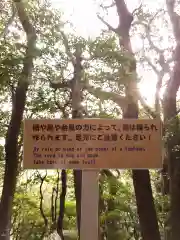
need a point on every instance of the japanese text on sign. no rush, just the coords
(92, 143)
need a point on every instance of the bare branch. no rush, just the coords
(107, 24)
(137, 10)
(164, 69)
(151, 43)
(160, 74)
(125, 21)
(146, 107)
(109, 6)
(154, 68)
(147, 27)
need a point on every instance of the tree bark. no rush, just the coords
(11, 144)
(62, 204)
(76, 95)
(170, 111)
(77, 113)
(141, 178)
(44, 231)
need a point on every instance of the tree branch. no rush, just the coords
(67, 48)
(146, 107)
(57, 85)
(122, 30)
(154, 68)
(108, 6)
(107, 24)
(164, 69)
(147, 27)
(137, 10)
(174, 17)
(103, 95)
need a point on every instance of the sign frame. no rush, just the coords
(143, 152)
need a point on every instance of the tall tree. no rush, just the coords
(76, 98)
(11, 145)
(170, 111)
(141, 178)
(77, 113)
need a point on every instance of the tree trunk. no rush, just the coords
(143, 191)
(76, 95)
(76, 113)
(62, 204)
(172, 164)
(77, 186)
(170, 110)
(11, 145)
(141, 179)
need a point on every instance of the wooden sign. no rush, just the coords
(92, 144)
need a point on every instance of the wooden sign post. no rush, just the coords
(92, 144)
(90, 205)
